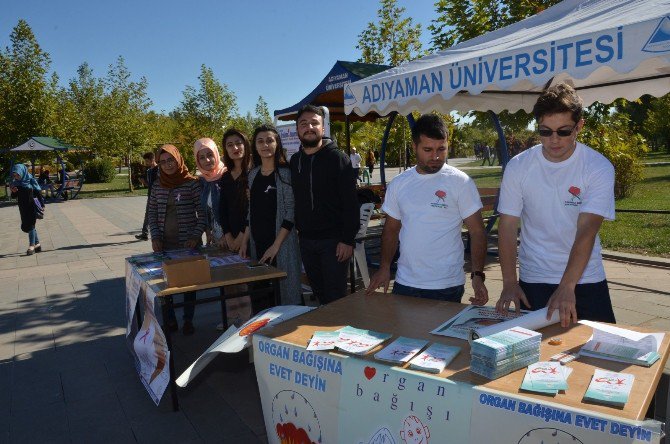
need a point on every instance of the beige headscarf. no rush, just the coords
(208, 144)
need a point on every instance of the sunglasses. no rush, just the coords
(546, 132)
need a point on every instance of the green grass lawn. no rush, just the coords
(647, 234)
(116, 188)
(658, 156)
(642, 233)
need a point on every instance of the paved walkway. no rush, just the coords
(65, 373)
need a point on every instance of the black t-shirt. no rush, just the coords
(263, 211)
(234, 203)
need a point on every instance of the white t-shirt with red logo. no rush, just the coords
(431, 208)
(548, 197)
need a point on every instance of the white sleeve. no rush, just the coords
(511, 197)
(599, 195)
(390, 205)
(468, 200)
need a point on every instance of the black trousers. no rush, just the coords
(327, 276)
(592, 300)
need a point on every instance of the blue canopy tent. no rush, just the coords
(330, 93)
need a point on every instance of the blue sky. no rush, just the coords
(278, 50)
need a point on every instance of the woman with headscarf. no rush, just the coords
(273, 239)
(211, 168)
(176, 218)
(24, 187)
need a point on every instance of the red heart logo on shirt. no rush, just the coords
(370, 372)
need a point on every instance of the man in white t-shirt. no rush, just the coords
(355, 162)
(425, 208)
(561, 191)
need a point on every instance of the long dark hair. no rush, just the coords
(246, 163)
(280, 156)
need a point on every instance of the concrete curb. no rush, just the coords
(636, 258)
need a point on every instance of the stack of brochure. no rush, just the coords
(502, 353)
(622, 345)
(546, 377)
(609, 388)
(348, 339)
(435, 358)
(401, 350)
(358, 341)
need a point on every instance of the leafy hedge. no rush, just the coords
(613, 138)
(99, 171)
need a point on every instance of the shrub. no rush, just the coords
(99, 171)
(613, 139)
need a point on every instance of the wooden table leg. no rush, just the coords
(224, 309)
(165, 307)
(276, 292)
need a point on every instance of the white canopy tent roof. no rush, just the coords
(607, 49)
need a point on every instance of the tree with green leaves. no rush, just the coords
(263, 112)
(393, 39)
(657, 123)
(24, 88)
(123, 127)
(461, 20)
(206, 111)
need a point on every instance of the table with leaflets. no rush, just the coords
(148, 341)
(333, 397)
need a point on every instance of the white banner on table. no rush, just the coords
(147, 343)
(151, 349)
(501, 418)
(133, 283)
(237, 339)
(383, 404)
(300, 392)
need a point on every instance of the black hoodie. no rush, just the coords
(326, 206)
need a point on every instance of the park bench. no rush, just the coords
(70, 188)
(489, 198)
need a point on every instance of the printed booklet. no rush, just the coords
(401, 350)
(358, 341)
(435, 358)
(323, 340)
(609, 388)
(546, 377)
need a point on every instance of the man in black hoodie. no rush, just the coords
(326, 207)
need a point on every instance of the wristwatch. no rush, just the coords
(478, 273)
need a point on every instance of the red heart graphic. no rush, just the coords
(370, 372)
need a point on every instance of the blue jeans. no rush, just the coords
(32, 237)
(451, 294)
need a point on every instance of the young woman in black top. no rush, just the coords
(234, 200)
(271, 214)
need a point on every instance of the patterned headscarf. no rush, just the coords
(208, 144)
(180, 176)
(26, 179)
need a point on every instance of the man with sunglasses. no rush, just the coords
(561, 191)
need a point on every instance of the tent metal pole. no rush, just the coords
(347, 133)
(504, 154)
(382, 154)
